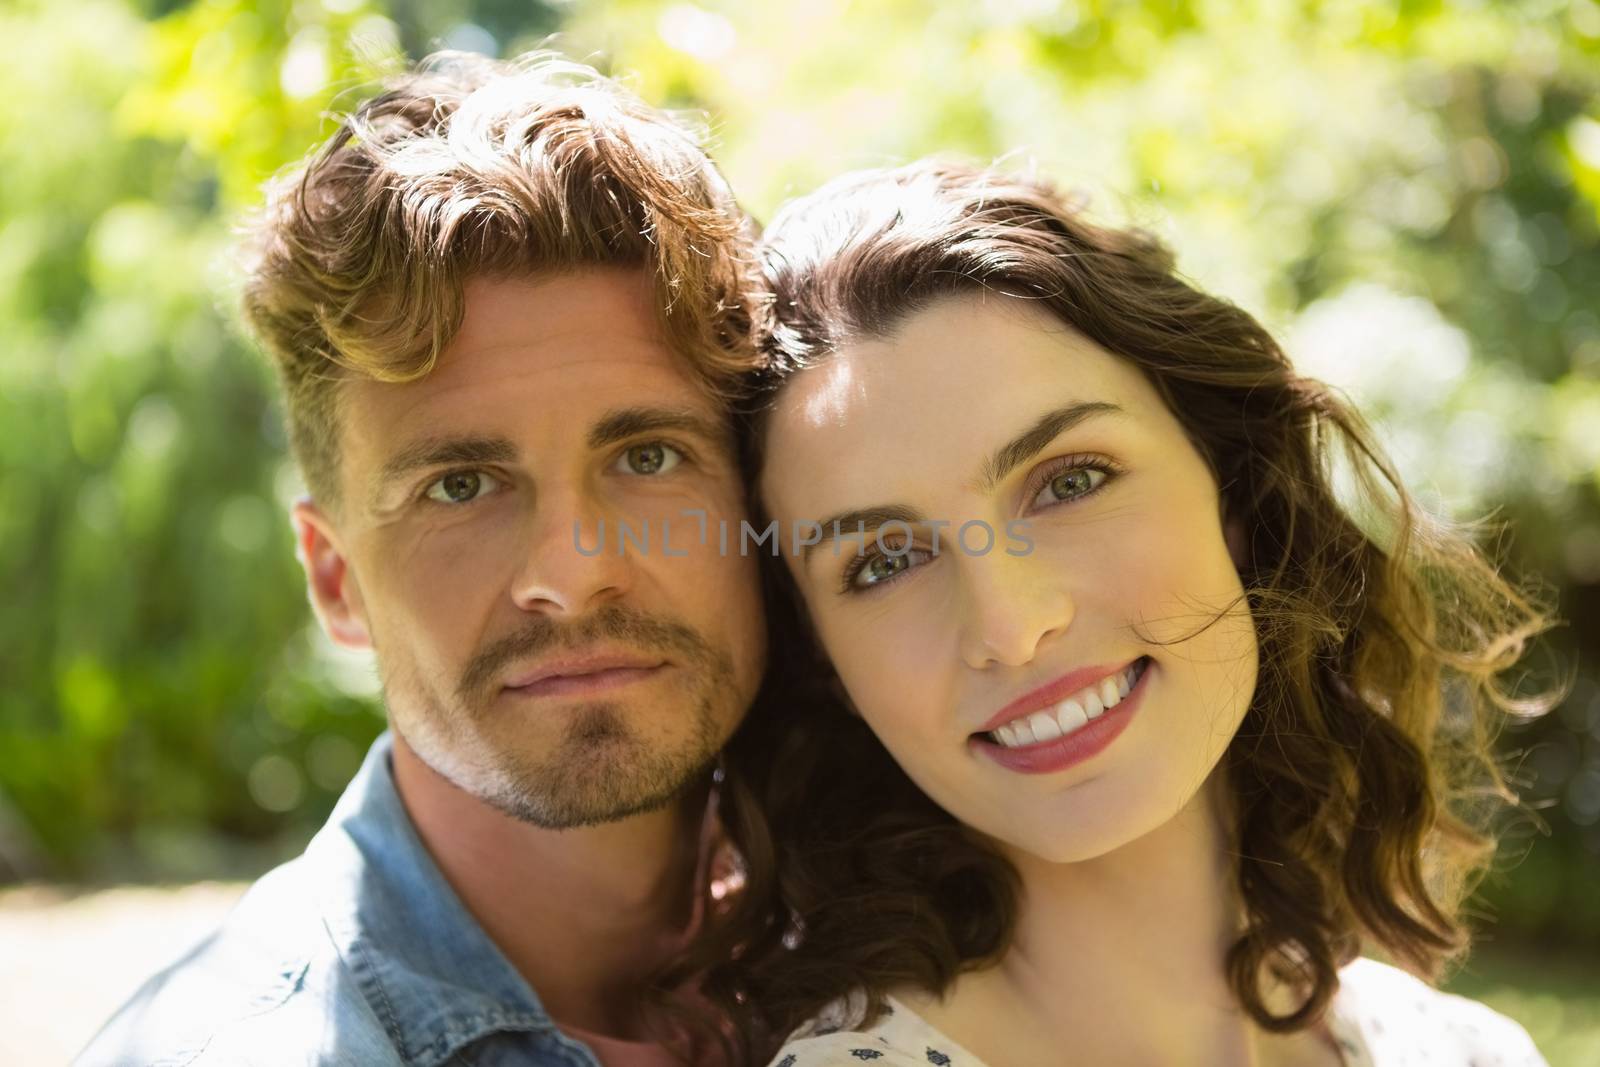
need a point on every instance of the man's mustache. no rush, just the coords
(611, 624)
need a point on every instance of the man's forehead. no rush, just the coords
(533, 359)
(558, 309)
(590, 410)
(591, 334)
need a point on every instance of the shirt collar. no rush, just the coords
(425, 966)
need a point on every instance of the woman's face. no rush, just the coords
(985, 673)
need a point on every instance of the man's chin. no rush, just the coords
(601, 795)
(577, 813)
(599, 779)
(582, 764)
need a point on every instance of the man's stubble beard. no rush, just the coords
(601, 769)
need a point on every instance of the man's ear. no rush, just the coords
(335, 593)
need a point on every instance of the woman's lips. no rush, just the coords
(1047, 696)
(1084, 743)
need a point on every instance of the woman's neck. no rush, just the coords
(1120, 959)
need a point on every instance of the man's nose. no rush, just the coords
(573, 557)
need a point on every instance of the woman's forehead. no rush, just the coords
(965, 357)
(949, 379)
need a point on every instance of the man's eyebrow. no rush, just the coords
(864, 520)
(1036, 439)
(444, 451)
(623, 423)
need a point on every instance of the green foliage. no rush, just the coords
(1408, 192)
(1550, 993)
(154, 658)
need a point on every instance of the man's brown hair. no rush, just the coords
(469, 167)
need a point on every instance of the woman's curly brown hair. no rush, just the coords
(1362, 778)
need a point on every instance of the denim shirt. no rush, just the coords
(355, 953)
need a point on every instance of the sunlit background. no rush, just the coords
(1407, 193)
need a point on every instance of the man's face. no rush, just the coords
(563, 686)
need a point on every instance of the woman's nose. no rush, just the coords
(1009, 606)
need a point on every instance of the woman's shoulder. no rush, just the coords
(1381, 1016)
(837, 1037)
(1399, 1019)
(845, 1050)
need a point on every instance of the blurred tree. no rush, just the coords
(156, 681)
(1408, 192)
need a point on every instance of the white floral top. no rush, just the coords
(1381, 1017)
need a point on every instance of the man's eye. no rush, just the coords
(655, 458)
(460, 487)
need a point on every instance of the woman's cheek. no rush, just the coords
(1168, 575)
(883, 662)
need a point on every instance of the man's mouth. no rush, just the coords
(584, 673)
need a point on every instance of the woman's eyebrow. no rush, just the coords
(1004, 460)
(1036, 438)
(857, 525)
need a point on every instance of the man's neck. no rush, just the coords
(585, 914)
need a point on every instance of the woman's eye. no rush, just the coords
(877, 569)
(460, 487)
(1070, 484)
(656, 458)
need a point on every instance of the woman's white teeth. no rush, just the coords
(1045, 727)
(1071, 714)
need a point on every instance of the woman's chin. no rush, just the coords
(1090, 840)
